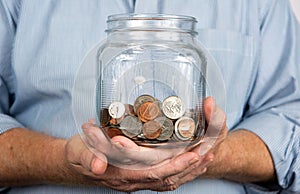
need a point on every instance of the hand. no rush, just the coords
(162, 177)
(124, 153)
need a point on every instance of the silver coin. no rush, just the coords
(167, 128)
(142, 99)
(185, 128)
(173, 107)
(131, 126)
(116, 110)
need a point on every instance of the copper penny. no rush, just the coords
(112, 131)
(185, 128)
(142, 99)
(152, 129)
(148, 111)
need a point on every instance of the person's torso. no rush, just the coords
(54, 36)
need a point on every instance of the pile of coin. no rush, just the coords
(149, 119)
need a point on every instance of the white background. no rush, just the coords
(296, 7)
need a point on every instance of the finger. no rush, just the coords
(123, 152)
(125, 143)
(187, 175)
(202, 164)
(170, 168)
(155, 178)
(92, 163)
(120, 151)
(209, 106)
(99, 164)
(152, 179)
(144, 155)
(216, 119)
(96, 138)
(172, 182)
(79, 155)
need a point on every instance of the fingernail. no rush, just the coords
(193, 161)
(204, 170)
(118, 145)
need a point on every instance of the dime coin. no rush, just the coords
(167, 128)
(173, 107)
(142, 99)
(131, 126)
(112, 131)
(104, 117)
(185, 128)
(152, 129)
(148, 111)
(116, 110)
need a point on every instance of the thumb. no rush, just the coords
(216, 122)
(99, 164)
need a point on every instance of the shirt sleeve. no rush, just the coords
(273, 109)
(8, 22)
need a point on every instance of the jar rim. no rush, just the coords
(150, 16)
(151, 22)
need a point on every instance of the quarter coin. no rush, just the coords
(173, 107)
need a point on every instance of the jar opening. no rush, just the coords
(151, 22)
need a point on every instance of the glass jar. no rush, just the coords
(151, 83)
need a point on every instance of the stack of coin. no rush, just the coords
(149, 119)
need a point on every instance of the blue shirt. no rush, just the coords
(256, 44)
